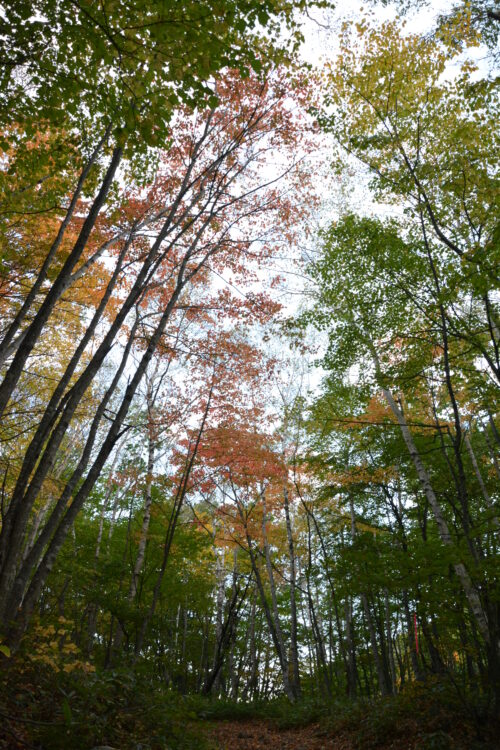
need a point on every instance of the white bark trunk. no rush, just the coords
(444, 532)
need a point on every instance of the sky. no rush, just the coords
(321, 31)
(322, 27)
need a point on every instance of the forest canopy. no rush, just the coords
(249, 370)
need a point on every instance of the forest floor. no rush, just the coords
(260, 734)
(264, 735)
(44, 709)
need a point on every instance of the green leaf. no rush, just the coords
(67, 713)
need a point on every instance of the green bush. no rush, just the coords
(82, 711)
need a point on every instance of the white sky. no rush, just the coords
(322, 28)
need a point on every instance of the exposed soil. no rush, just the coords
(261, 735)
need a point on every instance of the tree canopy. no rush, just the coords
(249, 373)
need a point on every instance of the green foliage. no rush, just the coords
(128, 64)
(427, 716)
(279, 711)
(361, 278)
(114, 708)
(130, 619)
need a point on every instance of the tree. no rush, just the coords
(363, 309)
(199, 211)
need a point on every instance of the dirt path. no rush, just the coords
(260, 735)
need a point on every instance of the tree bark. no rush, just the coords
(9, 344)
(444, 532)
(36, 326)
(271, 618)
(384, 689)
(294, 653)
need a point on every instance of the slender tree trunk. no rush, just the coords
(40, 454)
(311, 517)
(444, 532)
(411, 638)
(289, 686)
(319, 643)
(146, 518)
(93, 610)
(272, 621)
(174, 516)
(252, 682)
(294, 654)
(9, 344)
(220, 583)
(494, 430)
(13, 528)
(113, 435)
(388, 635)
(58, 287)
(227, 633)
(60, 520)
(384, 689)
(480, 480)
(352, 669)
(492, 453)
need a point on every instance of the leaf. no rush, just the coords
(67, 713)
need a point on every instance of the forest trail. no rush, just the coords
(262, 735)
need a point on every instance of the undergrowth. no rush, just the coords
(46, 710)
(424, 716)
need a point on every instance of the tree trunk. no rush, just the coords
(220, 583)
(294, 654)
(352, 669)
(388, 635)
(444, 532)
(59, 286)
(384, 689)
(252, 682)
(113, 435)
(9, 344)
(480, 480)
(146, 518)
(271, 616)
